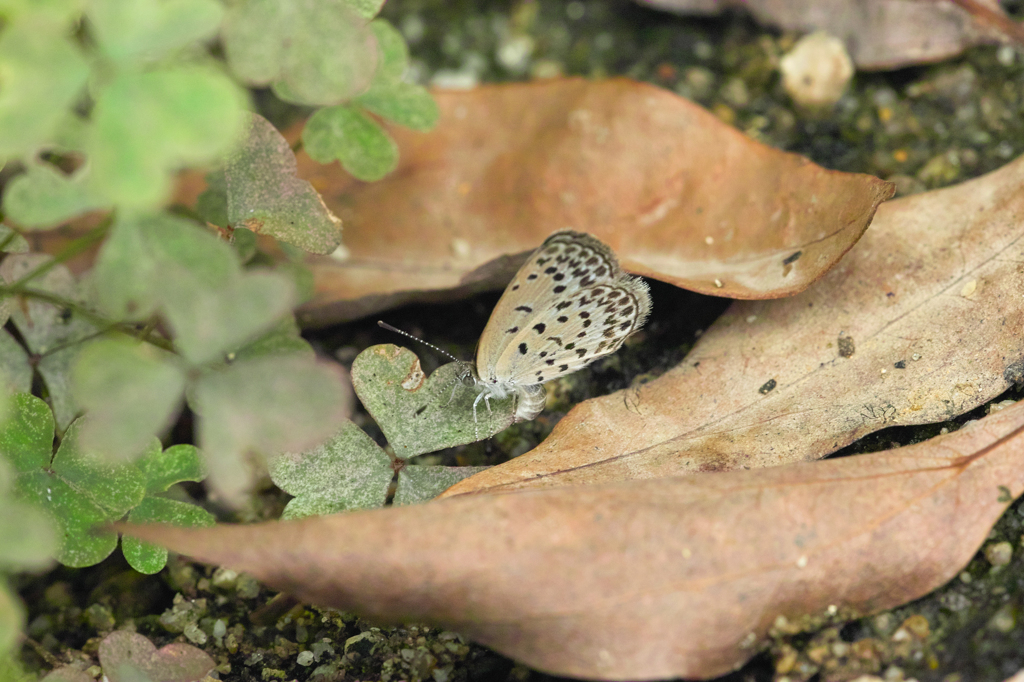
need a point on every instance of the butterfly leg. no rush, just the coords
(455, 387)
(476, 426)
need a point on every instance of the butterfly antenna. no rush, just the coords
(387, 326)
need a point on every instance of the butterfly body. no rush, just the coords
(568, 305)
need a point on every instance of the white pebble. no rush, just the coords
(1006, 54)
(447, 79)
(514, 53)
(817, 70)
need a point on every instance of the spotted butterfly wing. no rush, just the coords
(569, 305)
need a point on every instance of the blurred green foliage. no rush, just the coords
(102, 103)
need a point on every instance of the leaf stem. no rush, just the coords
(95, 319)
(9, 238)
(75, 247)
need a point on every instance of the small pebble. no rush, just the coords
(220, 628)
(817, 70)
(735, 93)
(448, 79)
(893, 674)
(1005, 55)
(225, 578)
(999, 553)
(514, 53)
(195, 634)
(247, 588)
(1000, 406)
(1004, 620)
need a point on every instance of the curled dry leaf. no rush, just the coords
(880, 34)
(919, 323)
(679, 196)
(649, 579)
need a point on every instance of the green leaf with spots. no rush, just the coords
(314, 52)
(212, 204)
(394, 53)
(71, 133)
(244, 242)
(146, 124)
(147, 30)
(301, 276)
(130, 391)
(418, 484)
(26, 437)
(406, 104)
(12, 618)
(42, 75)
(162, 469)
(11, 241)
(209, 323)
(265, 196)
(284, 338)
(82, 493)
(27, 535)
(350, 136)
(14, 364)
(43, 197)
(148, 558)
(265, 406)
(56, 12)
(146, 258)
(347, 472)
(160, 262)
(391, 98)
(50, 331)
(125, 280)
(254, 35)
(182, 248)
(367, 9)
(77, 491)
(10, 357)
(420, 415)
(115, 488)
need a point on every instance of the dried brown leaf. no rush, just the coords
(880, 34)
(919, 323)
(679, 195)
(649, 579)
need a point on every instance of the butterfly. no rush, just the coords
(569, 304)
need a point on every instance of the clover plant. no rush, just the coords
(102, 104)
